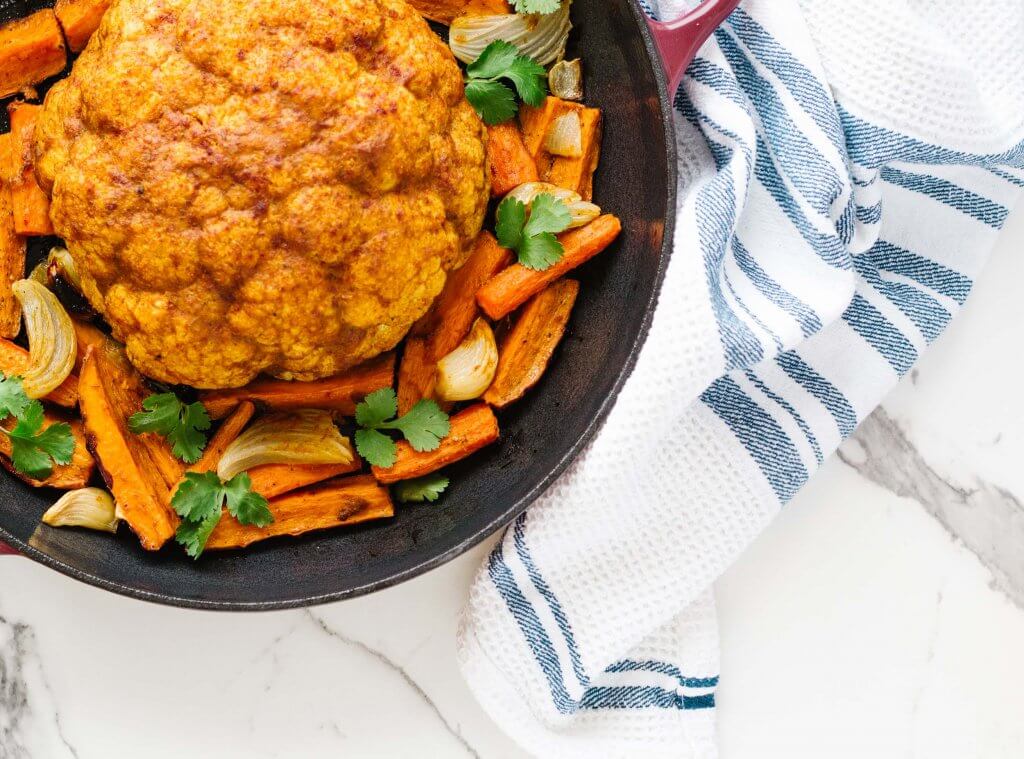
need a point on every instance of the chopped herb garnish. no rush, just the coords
(424, 426)
(428, 488)
(532, 236)
(200, 499)
(494, 100)
(34, 450)
(182, 425)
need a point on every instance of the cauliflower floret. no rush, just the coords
(256, 186)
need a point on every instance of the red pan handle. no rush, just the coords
(679, 40)
(7, 550)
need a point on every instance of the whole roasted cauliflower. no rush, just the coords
(256, 186)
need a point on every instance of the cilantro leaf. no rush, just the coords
(425, 425)
(12, 396)
(180, 424)
(427, 488)
(243, 504)
(198, 497)
(492, 100)
(199, 501)
(493, 60)
(496, 102)
(193, 535)
(376, 408)
(533, 238)
(34, 450)
(376, 447)
(536, 6)
(511, 218)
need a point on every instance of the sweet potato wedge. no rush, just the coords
(446, 11)
(111, 391)
(510, 161)
(527, 347)
(453, 313)
(339, 394)
(534, 122)
(79, 19)
(272, 480)
(515, 285)
(31, 49)
(86, 334)
(576, 174)
(64, 476)
(12, 256)
(417, 374)
(471, 429)
(344, 501)
(229, 429)
(14, 362)
(30, 205)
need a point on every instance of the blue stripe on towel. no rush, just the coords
(804, 427)
(804, 315)
(943, 280)
(952, 195)
(868, 322)
(827, 394)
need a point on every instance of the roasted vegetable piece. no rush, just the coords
(14, 361)
(577, 174)
(445, 11)
(511, 164)
(30, 205)
(225, 435)
(31, 49)
(453, 313)
(417, 374)
(64, 476)
(135, 467)
(515, 285)
(339, 394)
(12, 255)
(272, 480)
(344, 501)
(79, 19)
(471, 429)
(86, 334)
(535, 122)
(527, 347)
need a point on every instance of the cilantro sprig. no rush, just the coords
(542, 7)
(34, 450)
(425, 425)
(532, 236)
(182, 425)
(493, 99)
(426, 488)
(200, 499)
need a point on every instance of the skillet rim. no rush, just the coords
(514, 510)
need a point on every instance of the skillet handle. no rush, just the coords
(6, 549)
(679, 40)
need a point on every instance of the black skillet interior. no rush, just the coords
(540, 435)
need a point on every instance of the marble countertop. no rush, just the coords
(881, 615)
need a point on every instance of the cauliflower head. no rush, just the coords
(254, 186)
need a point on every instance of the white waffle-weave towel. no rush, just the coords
(844, 170)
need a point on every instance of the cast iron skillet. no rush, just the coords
(540, 435)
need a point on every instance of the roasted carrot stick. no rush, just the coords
(64, 476)
(446, 11)
(515, 285)
(225, 435)
(79, 19)
(14, 362)
(110, 392)
(526, 349)
(511, 164)
(344, 501)
(12, 255)
(31, 49)
(339, 394)
(86, 334)
(455, 309)
(272, 480)
(30, 205)
(577, 174)
(417, 374)
(471, 429)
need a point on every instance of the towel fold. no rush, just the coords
(844, 170)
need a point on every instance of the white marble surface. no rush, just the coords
(859, 625)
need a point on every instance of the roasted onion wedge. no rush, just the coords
(51, 338)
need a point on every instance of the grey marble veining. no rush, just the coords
(987, 518)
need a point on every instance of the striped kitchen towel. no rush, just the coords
(845, 168)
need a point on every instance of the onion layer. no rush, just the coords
(542, 37)
(467, 372)
(86, 507)
(582, 211)
(306, 436)
(51, 338)
(566, 80)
